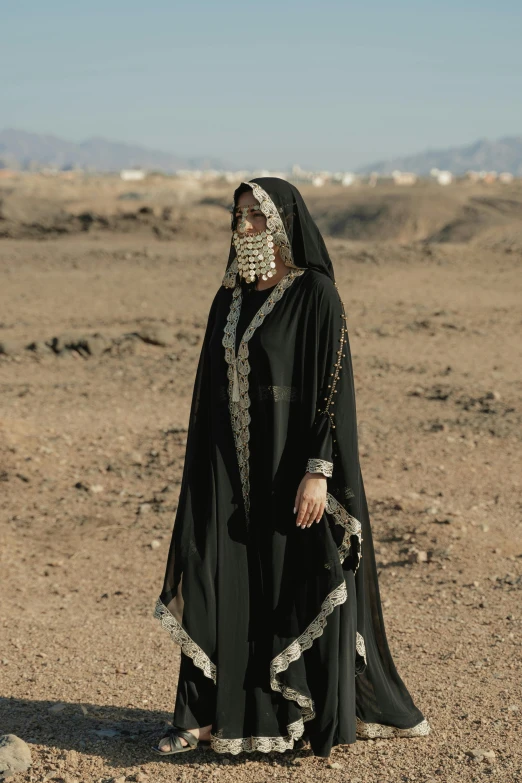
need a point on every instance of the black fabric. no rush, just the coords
(245, 588)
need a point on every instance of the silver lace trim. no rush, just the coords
(294, 651)
(360, 646)
(351, 525)
(320, 466)
(259, 744)
(239, 369)
(379, 730)
(181, 637)
(229, 279)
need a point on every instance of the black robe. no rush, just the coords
(278, 626)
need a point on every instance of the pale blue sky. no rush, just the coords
(332, 84)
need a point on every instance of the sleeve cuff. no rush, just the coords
(320, 466)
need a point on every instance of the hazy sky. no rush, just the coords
(331, 84)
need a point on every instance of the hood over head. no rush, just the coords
(289, 221)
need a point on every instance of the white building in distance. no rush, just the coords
(132, 175)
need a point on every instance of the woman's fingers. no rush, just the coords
(313, 513)
(297, 502)
(319, 512)
(307, 512)
(302, 512)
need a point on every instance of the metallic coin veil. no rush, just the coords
(255, 255)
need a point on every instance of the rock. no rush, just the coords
(81, 485)
(439, 392)
(144, 508)
(60, 343)
(334, 765)
(156, 334)
(95, 344)
(106, 733)
(15, 756)
(38, 347)
(513, 708)
(96, 489)
(10, 347)
(418, 556)
(120, 779)
(86, 345)
(155, 544)
(56, 708)
(478, 754)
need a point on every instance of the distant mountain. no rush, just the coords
(483, 155)
(22, 150)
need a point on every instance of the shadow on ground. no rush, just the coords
(122, 736)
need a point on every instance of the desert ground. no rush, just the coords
(104, 292)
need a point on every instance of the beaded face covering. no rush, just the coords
(255, 252)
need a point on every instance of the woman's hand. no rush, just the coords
(310, 501)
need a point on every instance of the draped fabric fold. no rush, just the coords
(280, 626)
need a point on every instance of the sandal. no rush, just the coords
(302, 743)
(173, 736)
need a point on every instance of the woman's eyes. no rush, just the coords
(253, 214)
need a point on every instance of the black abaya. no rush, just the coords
(278, 626)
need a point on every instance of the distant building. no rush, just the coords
(348, 179)
(132, 175)
(442, 177)
(404, 177)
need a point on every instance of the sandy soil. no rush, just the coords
(92, 436)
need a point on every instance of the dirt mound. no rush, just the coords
(26, 216)
(420, 213)
(478, 215)
(95, 345)
(31, 217)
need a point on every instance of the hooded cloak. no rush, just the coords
(280, 628)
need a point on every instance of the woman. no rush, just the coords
(271, 585)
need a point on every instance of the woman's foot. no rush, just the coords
(202, 734)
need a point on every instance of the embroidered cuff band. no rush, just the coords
(319, 466)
